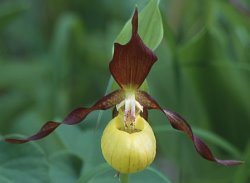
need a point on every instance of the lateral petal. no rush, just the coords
(75, 117)
(179, 123)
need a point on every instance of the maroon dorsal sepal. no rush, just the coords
(132, 62)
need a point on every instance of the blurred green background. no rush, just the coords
(54, 57)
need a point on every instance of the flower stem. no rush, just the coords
(123, 178)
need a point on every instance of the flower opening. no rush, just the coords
(130, 108)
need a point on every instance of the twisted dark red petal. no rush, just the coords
(114, 112)
(144, 114)
(132, 62)
(75, 117)
(181, 124)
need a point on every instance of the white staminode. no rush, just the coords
(131, 109)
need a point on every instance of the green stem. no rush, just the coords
(124, 178)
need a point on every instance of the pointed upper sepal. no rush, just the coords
(75, 117)
(179, 123)
(132, 62)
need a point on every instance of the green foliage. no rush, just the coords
(19, 163)
(103, 173)
(54, 57)
(206, 136)
(150, 26)
(65, 167)
(10, 11)
(242, 175)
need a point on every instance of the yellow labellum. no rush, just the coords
(128, 152)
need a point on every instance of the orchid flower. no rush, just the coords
(128, 142)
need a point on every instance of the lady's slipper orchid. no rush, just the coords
(128, 142)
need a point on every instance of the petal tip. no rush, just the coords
(229, 162)
(135, 22)
(15, 141)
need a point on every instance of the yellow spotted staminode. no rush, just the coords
(128, 142)
(128, 150)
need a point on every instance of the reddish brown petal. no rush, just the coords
(179, 123)
(132, 62)
(75, 117)
(146, 100)
(144, 114)
(114, 112)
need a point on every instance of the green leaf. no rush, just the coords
(11, 103)
(84, 143)
(69, 26)
(68, 41)
(65, 167)
(159, 174)
(202, 48)
(150, 26)
(10, 11)
(149, 175)
(170, 39)
(233, 14)
(22, 73)
(104, 173)
(94, 172)
(25, 163)
(242, 175)
(2, 179)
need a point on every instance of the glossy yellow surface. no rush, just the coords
(128, 152)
